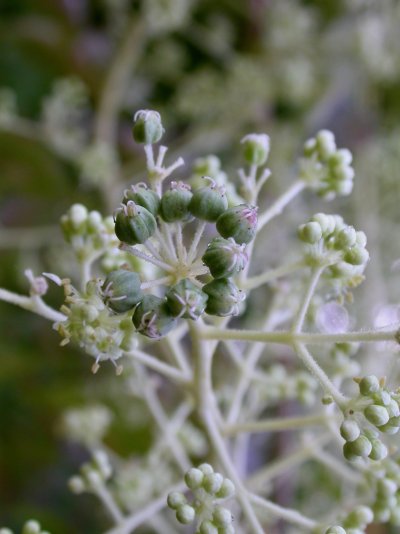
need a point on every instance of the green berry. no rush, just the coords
(143, 196)
(377, 415)
(134, 224)
(152, 317)
(223, 297)
(224, 257)
(239, 222)
(186, 300)
(175, 202)
(121, 290)
(256, 149)
(147, 128)
(209, 202)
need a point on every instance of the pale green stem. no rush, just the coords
(167, 237)
(261, 478)
(261, 181)
(268, 276)
(167, 252)
(109, 503)
(175, 348)
(288, 338)
(138, 253)
(33, 303)
(205, 403)
(279, 204)
(309, 362)
(152, 249)
(157, 365)
(182, 253)
(145, 513)
(305, 303)
(275, 425)
(288, 515)
(196, 240)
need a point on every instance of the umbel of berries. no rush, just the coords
(152, 317)
(121, 290)
(186, 300)
(224, 257)
(223, 297)
(239, 222)
(134, 224)
(147, 128)
(174, 204)
(143, 196)
(209, 202)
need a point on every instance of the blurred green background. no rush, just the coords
(216, 70)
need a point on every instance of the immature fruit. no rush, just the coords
(121, 290)
(147, 128)
(152, 317)
(143, 196)
(186, 300)
(209, 202)
(223, 297)
(174, 204)
(224, 257)
(134, 224)
(239, 222)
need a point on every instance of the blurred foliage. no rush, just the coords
(215, 70)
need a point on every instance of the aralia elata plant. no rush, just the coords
(171, 268)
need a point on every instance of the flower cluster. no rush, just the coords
(30, 527)
(355, 522)
(208, 488)
(337, 246)
(374, 411)
(326, 169)
(385, 481)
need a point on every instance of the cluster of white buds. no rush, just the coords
(326, 169)
(209, 488)
(337, 246)
(30, 527)
(63, 114)
(93, 474)
(376, 410)
(88, 232)
(87, 425)
(93, 326)
(355, 522)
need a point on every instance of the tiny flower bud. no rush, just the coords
(134, 224)
(212, 483)
(368, 385)
(185, 514)
(335, 530)
(186, 300)
(224, 257)
(222, 517)
(239, 222)
(152, 317)
(227, 489)
(223, 297)
(386, 488)
(377, 415)
(360, 446)
(326, 144)
(207, 527)
(31, 527)
(255, 148)
(121, 290)
(310, 233)
(206, 469)
(345, 238)
(147, 128)
(349, 430)
(175, 202)
(76, 484)
(209, 202)
(360, 517)
(143, 196)
(356, 256)
(194, 478)
(176, 500)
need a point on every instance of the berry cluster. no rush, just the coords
(355, 523)
(375, 410)
(208, 488)
(326, 169)
(337, 246)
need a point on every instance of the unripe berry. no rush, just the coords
(255, 148)
(152, 317)
(143, 196)
(134, 224)
(175, 202)
(185, 514)
(186, 300)
(209, 202)
(147, 128)
(121, 290)
(223, 297)
(224, 257)
(377, 415)
(239, 222)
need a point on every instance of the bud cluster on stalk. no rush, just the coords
(209, 489)
(355, 522)
(30, 527)
(93, 475)
(375, 411)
